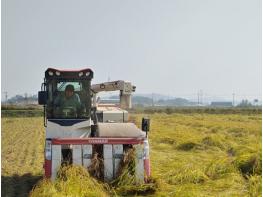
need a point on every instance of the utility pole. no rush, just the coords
(152, 100)
(201, 97)
(198, 97)
(26, 98)
(6, 96)
(233, 102)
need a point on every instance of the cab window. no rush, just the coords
(68, 99)
(61, 86)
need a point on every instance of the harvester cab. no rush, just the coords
(78, 128)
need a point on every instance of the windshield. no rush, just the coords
(68, 99)
(61, 86)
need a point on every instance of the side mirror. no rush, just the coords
(42, 97)
(145, 124)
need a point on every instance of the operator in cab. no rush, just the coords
(69, 105)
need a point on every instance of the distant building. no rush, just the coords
(221, 104)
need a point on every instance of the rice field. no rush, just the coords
(191, 155)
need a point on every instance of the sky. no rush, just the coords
(171, 47)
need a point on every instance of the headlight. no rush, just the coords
(81, 74)
(57, 73)
(87, 73)
(50, 73)
(48, 149)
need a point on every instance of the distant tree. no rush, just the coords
(141, 100)
(22, 99)
(244, 103)
(255, 101)
(169, 110)
(174, 102)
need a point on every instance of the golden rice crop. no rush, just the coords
(191, 155)
(71, 181)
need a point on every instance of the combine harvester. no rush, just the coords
(78, 128)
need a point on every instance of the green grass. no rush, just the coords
(21, 111)
(192, 154)
(200, 110)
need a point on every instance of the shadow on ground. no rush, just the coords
(18, 185)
